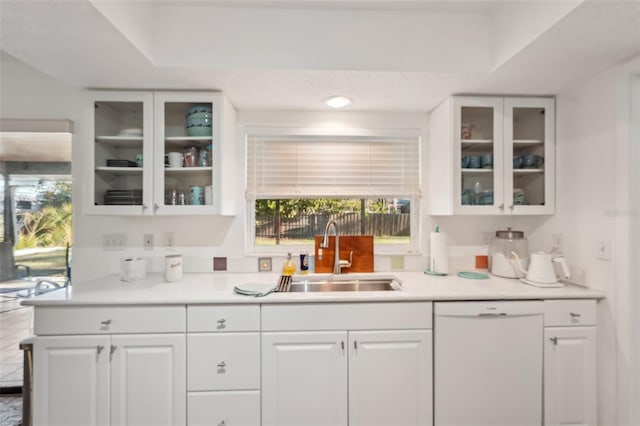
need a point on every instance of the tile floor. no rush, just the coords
(15, 325)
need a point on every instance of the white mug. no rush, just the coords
(176, 159)
(172, 267)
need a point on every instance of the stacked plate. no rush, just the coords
(518, 197)
(123, 197)
(199, 120)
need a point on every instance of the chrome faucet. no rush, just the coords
(337, 263)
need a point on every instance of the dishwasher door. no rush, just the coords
(488, 363)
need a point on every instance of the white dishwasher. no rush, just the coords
(488, 363)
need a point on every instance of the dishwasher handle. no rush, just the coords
(492, 314)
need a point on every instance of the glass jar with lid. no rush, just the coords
(502, 261)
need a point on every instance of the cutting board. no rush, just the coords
(361, 245)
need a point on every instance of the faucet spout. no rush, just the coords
(325, 244)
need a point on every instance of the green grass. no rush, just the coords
(46, 263)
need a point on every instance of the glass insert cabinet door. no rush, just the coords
(529, 155)
(122, 132)
(187, 126)
(478, 141)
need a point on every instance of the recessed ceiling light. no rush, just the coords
(338, 101)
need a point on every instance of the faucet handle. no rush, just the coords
(346, 263)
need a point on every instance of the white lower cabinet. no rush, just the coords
(347, 375)
(224, 408)
(570, 363)
(390, 377)
(109, 380)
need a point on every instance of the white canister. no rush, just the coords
(176, 159)
(132, 269)
(172, 267)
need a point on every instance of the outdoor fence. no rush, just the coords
(308, 226)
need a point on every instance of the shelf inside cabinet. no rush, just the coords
(119, 170)
(527, 171)
(475, 171)
(527, 142)
(180, 142)
(120, 141)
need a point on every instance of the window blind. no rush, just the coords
(311, 166)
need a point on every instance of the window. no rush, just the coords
(297, 180)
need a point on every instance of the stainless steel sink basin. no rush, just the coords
(346, 284)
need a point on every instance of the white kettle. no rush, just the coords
(541, 272)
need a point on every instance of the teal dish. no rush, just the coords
(200, 116)
(199, 131)
(194, 109)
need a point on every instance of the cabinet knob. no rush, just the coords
(144, 207)
(99, 348)
(156, 207)
(511, 207)
(111, 351)
(222, 423)
(222, 323)
(501, 206)
(554, 340)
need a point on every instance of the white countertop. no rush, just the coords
(214, 288)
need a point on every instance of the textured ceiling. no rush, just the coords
(388, 55)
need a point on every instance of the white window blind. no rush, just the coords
(311, 166)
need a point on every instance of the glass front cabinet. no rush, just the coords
(161, 153)
(492, 155)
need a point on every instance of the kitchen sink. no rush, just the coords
(346, 284)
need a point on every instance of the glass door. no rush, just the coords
(478, 145)
(187, 126)
(122, 137)
(529, 142)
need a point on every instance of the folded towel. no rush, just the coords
(253, 293)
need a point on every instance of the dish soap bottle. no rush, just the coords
(289, 268)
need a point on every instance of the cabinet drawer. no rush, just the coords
(223, 361)
(237, 408)
(109, 320)
(347, 316)
(569, 312)
(223, 318)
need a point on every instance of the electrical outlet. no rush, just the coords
(169, 239)
(486, 238)
(114, 241)
(148, 241)
(556, 241)
(604, 249)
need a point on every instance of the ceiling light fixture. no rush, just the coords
(338, 101)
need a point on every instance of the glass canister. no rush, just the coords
(502, 261)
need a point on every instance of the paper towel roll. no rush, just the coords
(439, 261)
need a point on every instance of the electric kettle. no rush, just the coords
(501, 253)
(541, 272)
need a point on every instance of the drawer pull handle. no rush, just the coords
(99, 348)
(554, 340)
(106, 322)
(222, 323)
(574, 315)
(221, 367)
(111, 351)
(222, 423)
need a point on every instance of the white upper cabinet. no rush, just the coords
(492, 156)
(163, 153)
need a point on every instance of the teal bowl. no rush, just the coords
(199, 131)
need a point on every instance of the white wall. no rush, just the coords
(594, 202)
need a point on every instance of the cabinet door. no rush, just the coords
(570, 376)
(304, 378)
(71, 381)
(529, 160)
(390, 378)
(478, 155)
(188, 141)
(148, 380)
(119, 159)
